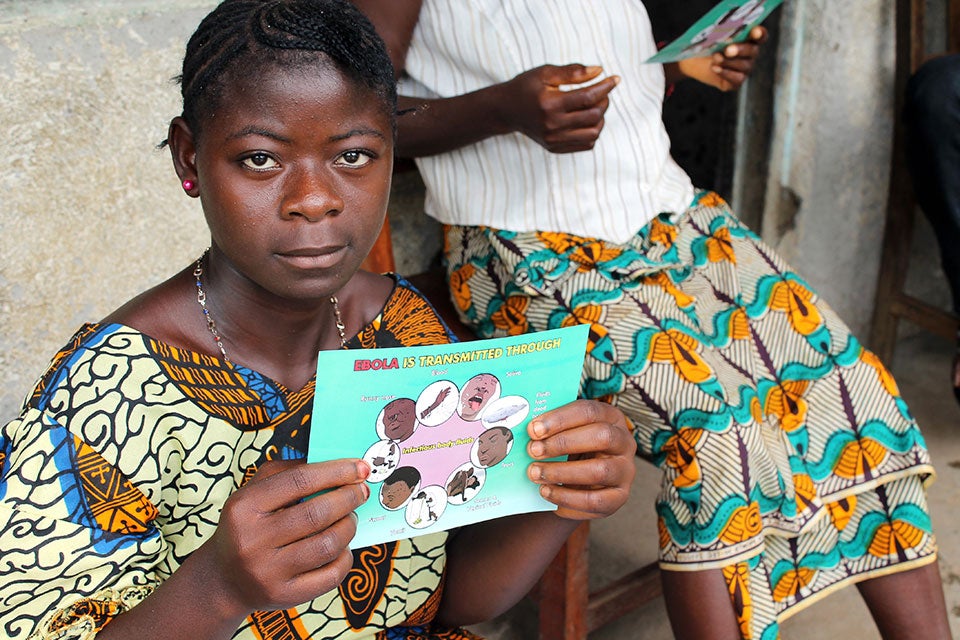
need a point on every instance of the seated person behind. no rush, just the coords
(790, 466)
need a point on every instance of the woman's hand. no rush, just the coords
(542, 105)
(726, 70)
(277, 544)
(594, 481)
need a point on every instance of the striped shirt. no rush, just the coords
(510, 182)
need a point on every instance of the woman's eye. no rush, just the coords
(354, 158)
(259, 161)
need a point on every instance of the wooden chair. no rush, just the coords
(892, 300)
(567, 610)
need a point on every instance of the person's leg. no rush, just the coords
(699, 605)
(893, 599)
(646, 324)
(717, 384)
(871, 531)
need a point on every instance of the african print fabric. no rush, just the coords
(119, 465)
(789, 458)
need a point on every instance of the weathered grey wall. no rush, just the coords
(826, 194)
(833, 124)
(92, 213)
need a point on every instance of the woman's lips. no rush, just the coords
(318, 258)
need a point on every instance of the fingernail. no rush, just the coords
(366, 491)
(537, 449)
(535, 472)
(732, 50)
(594, 69)
(716, 69)
(616, 80)
(538, 428)
(363, 469)
(545, 491)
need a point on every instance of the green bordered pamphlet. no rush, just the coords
(729, 21)
(444, 427)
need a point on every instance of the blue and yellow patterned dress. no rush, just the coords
(119, 465)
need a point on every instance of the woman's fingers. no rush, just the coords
(607, 471)
(318, 513)
(588, 429)
(306, 570)
(600, 438)
(579, 504)
(289, 503)
(274, 488)
(318, 550)
(322, 579)
(595, 480)
(292, 519)
(574, 415)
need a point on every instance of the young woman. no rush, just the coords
(153, 485)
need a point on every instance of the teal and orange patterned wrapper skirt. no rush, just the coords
(789, 459)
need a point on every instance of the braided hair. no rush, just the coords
(262, 32)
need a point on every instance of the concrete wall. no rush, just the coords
(814, 145)
(832, 137)
(91, 211)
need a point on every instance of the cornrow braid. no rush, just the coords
(266, 31)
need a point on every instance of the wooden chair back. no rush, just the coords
(380, 259)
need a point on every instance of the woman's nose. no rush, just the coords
(311, 193)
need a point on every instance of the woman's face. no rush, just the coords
(293, 169)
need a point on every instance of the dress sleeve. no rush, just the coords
(78, 543)
(408, 319)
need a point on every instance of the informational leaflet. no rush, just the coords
(444, 427)
(729, 21)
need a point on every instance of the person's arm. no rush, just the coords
(502, 559)
(532, 103)
(725, 70)
(395, 21)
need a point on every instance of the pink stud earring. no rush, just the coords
(187, 185)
